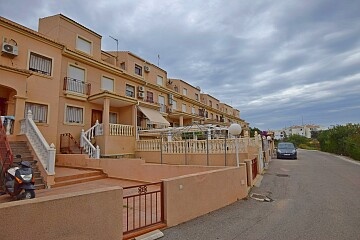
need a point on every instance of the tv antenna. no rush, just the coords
(117, 48)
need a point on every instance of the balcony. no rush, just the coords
(78, 87)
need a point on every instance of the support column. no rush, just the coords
(134, 122)
(19, 113)
(105, 117)
(181, 121)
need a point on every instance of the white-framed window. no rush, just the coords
(161, 100)
(76, 80)
(40, 64)
(130, 91)
(183, 108)
(184, 91)
(74, 114)
(193, 110)
(113, 117)
(39, 111)
(83, 45)
(138, 70)
(160, 80)
(76, 73)
(107, 83)
(174, 105)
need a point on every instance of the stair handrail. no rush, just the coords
(44, 152)
(85, 140)
(6, 155)
(73, 140)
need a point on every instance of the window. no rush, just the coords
(159, 80)
(130, 91)
(210, 103)
(122, 65)
(184, 91)
(176, 89)
(74, 115)
(149, 97)
(39, 111)
(138, 70)
(196, 97)
(113, 118)
(107, 84)
(184, 107)
(77, 73)
(217, 106)
(193, 110)
(76, 80)
(161, 100)
(83, 45)
(40, 64)
(174, 105)
(211, 116)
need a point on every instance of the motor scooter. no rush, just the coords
(20, 182)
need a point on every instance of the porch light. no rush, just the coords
(235, 130)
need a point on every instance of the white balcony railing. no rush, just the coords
(44, 152)
(121, 130)
(194, 146)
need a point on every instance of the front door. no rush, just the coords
(96, 115)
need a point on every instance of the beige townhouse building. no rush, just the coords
(71, 85)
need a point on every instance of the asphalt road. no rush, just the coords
(315, 197)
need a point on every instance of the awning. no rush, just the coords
(154, 116)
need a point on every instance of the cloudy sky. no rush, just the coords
(281, 63)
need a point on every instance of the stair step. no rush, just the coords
(39, 186)
(79, 180)
(22, 148)
(77, 176)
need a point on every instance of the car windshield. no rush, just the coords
(286, 145)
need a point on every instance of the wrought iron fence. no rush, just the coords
(143, 206)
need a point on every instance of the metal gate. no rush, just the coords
(143, 206)
(254, 167)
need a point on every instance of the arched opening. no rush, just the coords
(7, 104)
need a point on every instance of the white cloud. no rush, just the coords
(261, 56)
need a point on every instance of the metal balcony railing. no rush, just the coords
(77, 86)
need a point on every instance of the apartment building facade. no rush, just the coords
(62, 75)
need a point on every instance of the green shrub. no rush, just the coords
(341, 140)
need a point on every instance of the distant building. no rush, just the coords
(304, 130)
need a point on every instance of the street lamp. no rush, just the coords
(235, 130)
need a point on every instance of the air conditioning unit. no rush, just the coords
(141, 95)
(141, 88)
(9, 49)
(147, 68)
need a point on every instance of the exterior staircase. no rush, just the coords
(22, 152)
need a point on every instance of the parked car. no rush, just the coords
(286, 150)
